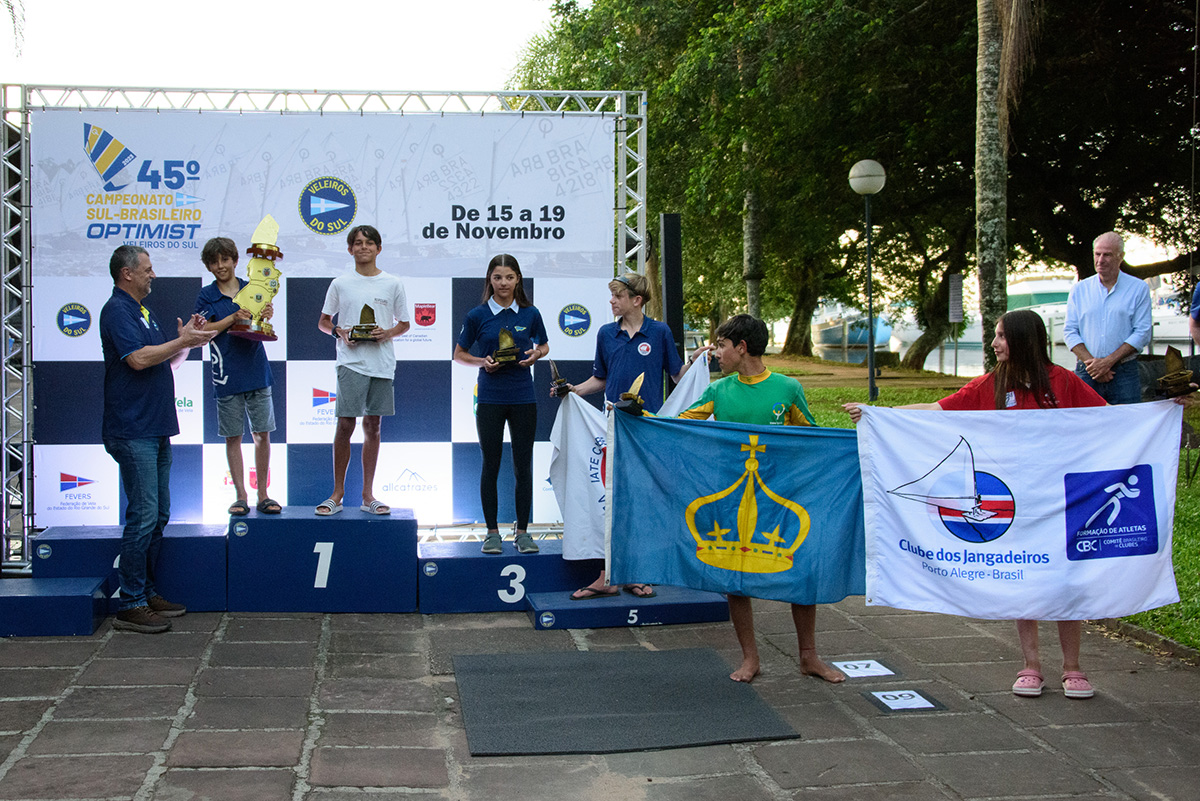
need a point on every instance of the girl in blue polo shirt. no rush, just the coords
(505, 390)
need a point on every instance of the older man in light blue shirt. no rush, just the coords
(1108, 324)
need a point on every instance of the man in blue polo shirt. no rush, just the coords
(633, 345)
(139, 421)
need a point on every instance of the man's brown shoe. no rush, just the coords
(164, 608)
(141, 619)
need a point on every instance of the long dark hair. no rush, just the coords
(505, 260)
(1028, 363)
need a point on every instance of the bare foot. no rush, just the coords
(811, 665)
(747, 671)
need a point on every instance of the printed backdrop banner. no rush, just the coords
(769, 512)
(446, 193)
(1059, 514)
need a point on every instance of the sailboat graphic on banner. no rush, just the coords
(109, 156)
(951, 484)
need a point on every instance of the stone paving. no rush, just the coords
(365, 708)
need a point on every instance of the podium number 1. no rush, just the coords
(325, 549)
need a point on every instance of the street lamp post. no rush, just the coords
(867, 178)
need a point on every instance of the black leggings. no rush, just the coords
(522, 425)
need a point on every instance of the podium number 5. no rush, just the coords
(325, 551)
(515, 590)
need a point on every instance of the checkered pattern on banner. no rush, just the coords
(429, 459)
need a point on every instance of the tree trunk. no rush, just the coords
(991, 178)
(936, 311)
(799, 334)
(751, 241)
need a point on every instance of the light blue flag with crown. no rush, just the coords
(772, 512)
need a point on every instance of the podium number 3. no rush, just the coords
(515, 590)
(325, 551)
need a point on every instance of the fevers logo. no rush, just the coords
(321, 397)
(68, 482)
(76, 494)
(1111, 513)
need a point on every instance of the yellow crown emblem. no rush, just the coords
(753, 551)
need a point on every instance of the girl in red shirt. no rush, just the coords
(1025, 378)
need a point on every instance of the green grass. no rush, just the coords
(826, 402)
(1180, 621)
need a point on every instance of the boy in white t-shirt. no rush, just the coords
(365, 369)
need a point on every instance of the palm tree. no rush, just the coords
(1006, 34)
(16, 14)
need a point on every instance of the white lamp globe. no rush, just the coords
(867, 177)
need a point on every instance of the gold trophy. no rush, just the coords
(366, 324)
(508, 352)
(1178, 379)
(558, 382)
(631, 402)
(264, 283)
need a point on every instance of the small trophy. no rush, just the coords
(1178, 379)
(508, 352)
(631, 402)
(559, 383)
(264, 283)
(366, 324)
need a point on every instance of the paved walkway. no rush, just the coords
(264, 707)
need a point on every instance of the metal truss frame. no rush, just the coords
(627, 108)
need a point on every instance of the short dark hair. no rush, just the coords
(369, 231)
(122, 257)
(217, 248)
(748, 329)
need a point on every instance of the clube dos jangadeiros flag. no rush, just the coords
(1044, 514)
(764, 511)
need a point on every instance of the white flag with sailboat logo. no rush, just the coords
(1044, 514)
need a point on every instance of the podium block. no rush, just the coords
(190, 570)
(297, 561)
(555, 610)
(51, 607)
(456, 577)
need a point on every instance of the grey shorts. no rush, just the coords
(232, 411)
(361, 395)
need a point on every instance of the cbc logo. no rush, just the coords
(1086, 546)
